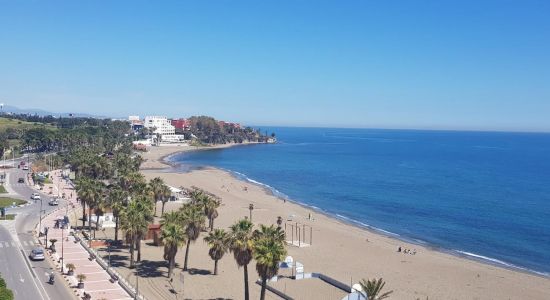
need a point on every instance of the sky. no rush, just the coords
(475, 65)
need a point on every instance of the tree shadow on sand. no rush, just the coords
(117, 260)
(194, 271)
(149, 268)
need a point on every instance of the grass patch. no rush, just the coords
(8, 217)
(3, 190)
(5, 201)
(6, 123)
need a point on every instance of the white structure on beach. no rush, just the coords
(105, 221)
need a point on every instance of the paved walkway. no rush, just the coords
(97, 282)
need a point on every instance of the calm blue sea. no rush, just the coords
(481, 194)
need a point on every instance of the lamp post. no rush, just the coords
(46, 236)
(137, 281)
(62, 239)
(108, 245)
(250, 208)
(40, 218)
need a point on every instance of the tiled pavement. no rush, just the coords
(97, 282)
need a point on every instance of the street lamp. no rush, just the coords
(40, 218)
(62, 239)
(108, 245)
(46, 236)
(137, 281)
(171, 281)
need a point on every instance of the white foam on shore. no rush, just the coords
(495, 261)
(470, 255)
(273, 190)
(361, 224)
(482, 258)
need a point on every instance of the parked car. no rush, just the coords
(25, 167)
(21, 180)
(54, 202)
(37, 254)
(35, 196)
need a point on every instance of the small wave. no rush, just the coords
(273, 190)
(499, 262)
(494, 260)
(350, 220)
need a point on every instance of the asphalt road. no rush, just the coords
(28, 279)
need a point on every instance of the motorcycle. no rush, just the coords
(52, 279)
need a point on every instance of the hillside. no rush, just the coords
(6, 123)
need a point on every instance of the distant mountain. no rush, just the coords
(41, 112)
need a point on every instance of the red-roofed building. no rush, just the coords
(182, 124)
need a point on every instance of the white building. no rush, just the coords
(163, 128)
(162, 125)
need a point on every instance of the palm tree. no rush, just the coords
(268, 251)
(193, 220)
(135, 220)
(196, 195)
(156, 185)
(275, 233)
(90, 193)
(165, 194)
(219, 242)
(372, 289)
(211, 210)
(83, 190)
(171, 217)
(242, 245)
(173, 236)
(117, 202)
(148, 217)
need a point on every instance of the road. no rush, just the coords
(28, 279)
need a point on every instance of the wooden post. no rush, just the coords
(297, 232)
(292, 233)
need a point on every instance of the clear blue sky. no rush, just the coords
(387, 64)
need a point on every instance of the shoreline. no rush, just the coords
(159, 161)
(372, 229)
(434, 259)
(351, 222)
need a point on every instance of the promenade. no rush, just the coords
(98, 283)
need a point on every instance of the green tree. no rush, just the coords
(372, 289)
(134, 222)
(193, 220)
(211, 210)
(156, 185)
(173, 236)
(242, 245)
(116, 201)
(165, 194)
(268, 252)
(219, 242)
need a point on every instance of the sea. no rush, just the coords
(482, 195)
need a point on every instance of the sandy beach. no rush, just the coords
(339, 250)
(154, 156)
